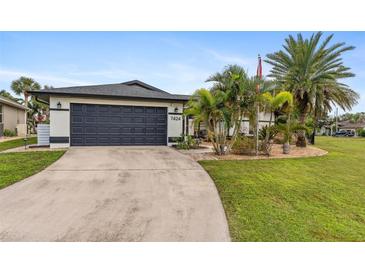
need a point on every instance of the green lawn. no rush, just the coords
(16, 143)
(17, 166)
(308, 199)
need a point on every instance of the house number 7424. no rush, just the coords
(175, 118)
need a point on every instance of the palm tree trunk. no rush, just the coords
(267, 135)
(313, 136)
(301, 140)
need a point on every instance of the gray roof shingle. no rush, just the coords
(131, 89)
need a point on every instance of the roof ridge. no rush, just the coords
(83, 86)
(143, 84)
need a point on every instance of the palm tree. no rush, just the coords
(22, 86)
(233, 86)
(284, 100)
(206, 107)
(288, 129)
(307, 68)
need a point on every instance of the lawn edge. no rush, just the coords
(42, 169)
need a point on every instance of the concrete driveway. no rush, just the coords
(115, 194)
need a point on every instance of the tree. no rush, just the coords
(22, 86)
(206, 107)
(222, 107)
(283, 100)
(288, 129)
(312, 70)
(232, 86)
(353, 117)
(36, 109)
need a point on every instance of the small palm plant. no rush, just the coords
(284, 101)
(288, 129)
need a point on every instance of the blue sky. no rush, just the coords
(178, 62)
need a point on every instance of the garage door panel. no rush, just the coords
(76, 119)
(91, 140)
(151, 110)
(115, 109)
(103, 108)
(89, 130)
(77, 140)
(126, 120)
(161, 130)
(161, 119)
(139, 109)
(140, 130)
(89, 108)
(115, 119)
(77, 130)
(160, 111)
(127, 109)
(114, 130)
(76, 108)
(117, 125)
(138, 120)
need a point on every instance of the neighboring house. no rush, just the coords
(129, 113)
(12, 116)
(351, 126)
(326, 130)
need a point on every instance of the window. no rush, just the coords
(1, 114)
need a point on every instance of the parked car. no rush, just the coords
(344, 133)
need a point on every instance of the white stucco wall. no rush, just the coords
(14, 119)
(60, 120)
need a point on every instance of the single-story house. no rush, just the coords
(351, 126)
(129, 113)
(12, 116)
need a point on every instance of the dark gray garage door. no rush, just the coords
(109, 125)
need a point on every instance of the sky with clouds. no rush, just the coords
(178, 62)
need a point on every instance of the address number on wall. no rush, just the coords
(175, 118)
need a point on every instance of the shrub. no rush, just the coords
(9, 133)
(271, 131)
(361, 133)
(267, 135)
(187, 142)
(244, 145)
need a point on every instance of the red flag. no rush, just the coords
(259, 69)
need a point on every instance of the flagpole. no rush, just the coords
(259, 75)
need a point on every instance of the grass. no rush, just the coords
(17, 166)
(308, 199)
(16, 143)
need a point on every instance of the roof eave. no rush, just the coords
(15, 105)
(107, 96)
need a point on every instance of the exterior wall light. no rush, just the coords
(176, 109)
(59, 105)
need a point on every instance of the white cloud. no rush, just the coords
(44, 79)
